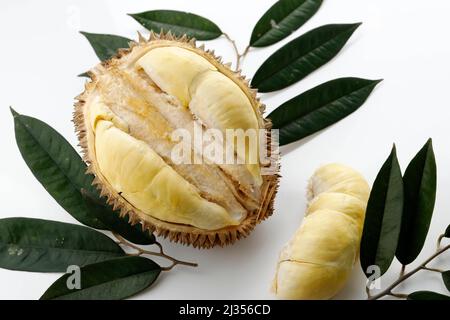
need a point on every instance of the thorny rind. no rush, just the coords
(181, 233)
(161, 253)
(403, 277)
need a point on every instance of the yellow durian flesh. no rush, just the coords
(338, 178)
(146, 181)
(317, 261)
(125, 120)
(210, 95)
(174, 69)
(349, 205)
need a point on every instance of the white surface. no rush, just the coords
(403, 41)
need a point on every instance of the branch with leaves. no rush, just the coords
(398, 218)
(107, 270)
(301, 116)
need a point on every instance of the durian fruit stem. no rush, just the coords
(140, 251)
(423, 266)
(239, 56)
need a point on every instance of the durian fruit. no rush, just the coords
(126, 118)
(316, 263)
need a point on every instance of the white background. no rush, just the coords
(405, 42)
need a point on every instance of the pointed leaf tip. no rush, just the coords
(383, 217)
(106, 45)
(420, 181)
(56, 165)
(13, 112)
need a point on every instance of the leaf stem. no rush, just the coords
(433, 269)
(402, 270)
(161, 253)
(423, 266)
(239, 56)
(439, 241)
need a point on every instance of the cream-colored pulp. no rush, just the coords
(131, 115)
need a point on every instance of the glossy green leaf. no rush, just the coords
(106, 45)
(446, 279)
(179, 23)
(49, 246)
(283, 18)
(108, 280)
(427, 295)
(112, 220)
(419, 184)
(57, 166)
(320, 107)
(301, 56)
(383, 217)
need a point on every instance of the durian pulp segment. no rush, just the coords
(338, 178)
(317, 261)
(142, 177)
(348, 205)
(211, 96)
(313, 267)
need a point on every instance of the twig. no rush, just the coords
(398, 295)
(239, 56)
(433, 269)
(161, 253)
(423, 266)
(368, 291)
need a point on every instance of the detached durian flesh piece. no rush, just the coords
(127, 119)
(316, 263)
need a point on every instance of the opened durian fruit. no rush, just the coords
(126, 119)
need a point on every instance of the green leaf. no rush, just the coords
(383, 217)
(108, 280)
(427, 295)
(446, 279)
(106, 45)
(419, 184)
(447, 232)
(283, 18)
(112, 220)
(301, 56)
(179, 23)
(49, 246)
(320, 107)
(57, 166)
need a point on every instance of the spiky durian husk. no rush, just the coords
(179, 233)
